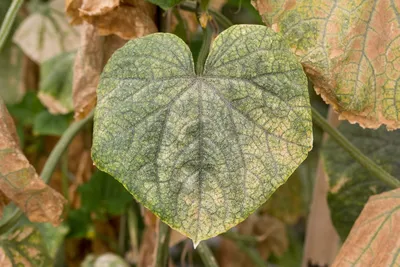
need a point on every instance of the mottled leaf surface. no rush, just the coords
(374, 239)
(350, 184)
(23, 247)
(349, 49)
(19, 180)
(203, 151)
(31, 245)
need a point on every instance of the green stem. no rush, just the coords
(206, 255)
(65, 176)
(50, 165)
(205, 48)
(219, 17)
(9, 20)
(364, 161)
(162, 245)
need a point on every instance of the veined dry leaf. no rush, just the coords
(19, 181)
(270, 10)
(87, 68)
(349, 49)
(128, 19)
(42, 37)
(92, 56)
(374, 239)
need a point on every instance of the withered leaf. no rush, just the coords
(127, 19)
(92, 55)
(97, 7)
(19, 180)
(374, 239)
(349, 49)
(87, 68)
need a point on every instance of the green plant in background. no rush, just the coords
(204, 145)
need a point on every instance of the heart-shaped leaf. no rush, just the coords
(203, 151)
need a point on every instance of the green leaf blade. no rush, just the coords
(202, 152)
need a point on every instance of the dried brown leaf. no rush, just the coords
(19, 181)
(89, 62)
(217, 4)
(374, 239)
(87, 68)
(97, 7)
(127, 19)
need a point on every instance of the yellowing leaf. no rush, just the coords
(19, 181)
(203, 151)
(44, 35)
(349, 49)
(374, 239)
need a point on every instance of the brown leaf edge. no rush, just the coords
(19, 181)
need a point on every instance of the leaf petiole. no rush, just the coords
(364, 161)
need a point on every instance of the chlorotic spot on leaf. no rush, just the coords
(203, 151)
(349, 49)
(350, 184)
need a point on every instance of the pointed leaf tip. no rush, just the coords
(203, 152)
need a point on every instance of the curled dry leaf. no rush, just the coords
(19, 181)
(349, 49)
(127, 19)
(374, 239)
(87, 68)
(92, 55)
